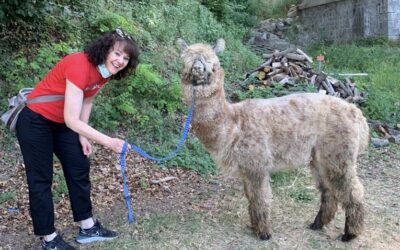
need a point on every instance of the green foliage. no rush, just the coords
(281, 178)
(260, 91)
(141, 90)
(247, 12)
(20, 70)
(60, 189)
(302, 195)
(14, 9)
(143, 183)
(7, 196)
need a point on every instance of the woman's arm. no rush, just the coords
(85, 114)
(75, 110)
(87, 108)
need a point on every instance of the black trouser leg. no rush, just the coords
(76, 171)
(36, 142)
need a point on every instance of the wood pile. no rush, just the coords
(292, 66)
(386, 133)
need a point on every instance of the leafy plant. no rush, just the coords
(7, 196)
(302, 195)
(59, 186)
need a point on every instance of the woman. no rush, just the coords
(61, 127)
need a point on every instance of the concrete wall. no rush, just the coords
(345, 20)
(394, 19)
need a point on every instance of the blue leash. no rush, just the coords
(127, 196)
(143, 153)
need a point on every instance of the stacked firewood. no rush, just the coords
(386, 134)
(292, 66)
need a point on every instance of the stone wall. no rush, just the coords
(345, 20)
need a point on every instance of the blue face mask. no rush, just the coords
(103, 71)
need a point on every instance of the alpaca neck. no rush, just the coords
(209, 120)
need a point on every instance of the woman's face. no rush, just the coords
(116, 59)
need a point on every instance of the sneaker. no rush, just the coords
(95, 233)
(56, 244)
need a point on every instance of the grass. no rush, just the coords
(7, 196)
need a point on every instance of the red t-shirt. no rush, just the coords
(77, 69)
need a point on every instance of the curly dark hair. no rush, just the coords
(98, 50)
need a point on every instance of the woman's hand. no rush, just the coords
(116, 145)
(86, 146)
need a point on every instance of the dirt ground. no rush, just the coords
(205, 212)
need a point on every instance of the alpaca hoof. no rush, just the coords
(315, 226)
(348, 237)
(265, 236)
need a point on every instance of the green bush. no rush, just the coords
(21, 70)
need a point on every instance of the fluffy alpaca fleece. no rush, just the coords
(258, 136)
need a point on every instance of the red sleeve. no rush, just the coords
(77, 73)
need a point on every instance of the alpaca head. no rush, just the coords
(201, 68)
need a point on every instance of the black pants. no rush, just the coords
(39, 138)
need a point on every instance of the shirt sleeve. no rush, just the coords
(77, 73)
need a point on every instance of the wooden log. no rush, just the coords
(333, 81)
(284, 61)
(298, 69)
(267, 69)
(348, 85)
(309, 59)
(278, 77)
(295, 57)
(285, 80)
(278, 53)
(276, 65)
(293, 72)
(274, 72)
(328, 88)
(261, 75)
(394, 139)
(266, 63)
(266, 83)
(342, 93)
(345, 89)
(319, 79)
(312, 79)
(286, 70)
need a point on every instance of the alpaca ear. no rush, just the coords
(182, 44)
(219, 46)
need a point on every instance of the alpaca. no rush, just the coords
(255, 137)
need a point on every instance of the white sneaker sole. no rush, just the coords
(86, 240)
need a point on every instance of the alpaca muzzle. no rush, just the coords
(198, 72)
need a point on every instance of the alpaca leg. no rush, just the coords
(327, 210)
(349, 192)
(352, 201)
(258, 193)
(329, 202)
(247, 190)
